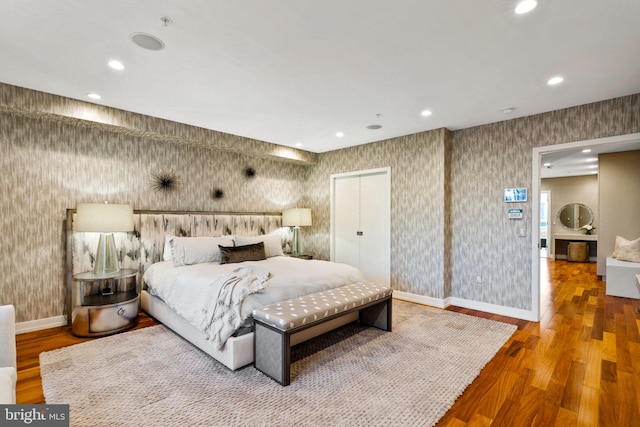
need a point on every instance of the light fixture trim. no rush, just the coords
(116, 65)
(555, 80)
(525, 6)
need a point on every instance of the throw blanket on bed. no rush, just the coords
(220, 314)
(191, 290)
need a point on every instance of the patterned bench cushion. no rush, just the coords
(294, 313)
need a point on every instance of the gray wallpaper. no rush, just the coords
(50, 166)
(419, 188)
(487, 159)
(449, 222)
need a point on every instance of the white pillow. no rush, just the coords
(195, 250)
(272, 243)
(624, 247)
(627, 250)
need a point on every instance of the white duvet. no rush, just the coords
(218, 298)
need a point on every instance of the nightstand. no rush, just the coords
(103, 305)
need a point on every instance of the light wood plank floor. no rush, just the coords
(579, 366)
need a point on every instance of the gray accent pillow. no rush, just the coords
(231, 254)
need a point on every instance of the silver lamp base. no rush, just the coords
(295, 250)
(106, 256)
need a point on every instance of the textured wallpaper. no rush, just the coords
(488, 159)
(50, 166)
(449, 222)
(419, 222)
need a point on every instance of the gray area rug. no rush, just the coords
(354, 376)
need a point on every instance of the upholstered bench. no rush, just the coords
(276, 324)
(621, 278)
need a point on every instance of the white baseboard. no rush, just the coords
(420, 299)
(464, 303)
(517, 313)
(36, 325)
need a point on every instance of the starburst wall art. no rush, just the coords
(165, 182)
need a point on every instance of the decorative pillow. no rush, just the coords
(195, 250)
(231, 254)
(272, 243)
(625, 249)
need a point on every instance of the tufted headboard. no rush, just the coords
(145, 245)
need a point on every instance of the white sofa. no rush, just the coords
(8, 365)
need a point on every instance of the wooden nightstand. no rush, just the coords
(104, 305)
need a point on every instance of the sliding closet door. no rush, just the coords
(360, 222)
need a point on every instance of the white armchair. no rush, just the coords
(8, 364)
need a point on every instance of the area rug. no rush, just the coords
(353, 376)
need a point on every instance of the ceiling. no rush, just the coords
(296, 72)
(578, 162)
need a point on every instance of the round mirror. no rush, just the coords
(575, 215)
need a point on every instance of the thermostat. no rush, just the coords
(515, 213)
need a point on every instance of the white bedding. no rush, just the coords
(188, 290)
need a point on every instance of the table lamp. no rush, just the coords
(105, 219)
(296, 218)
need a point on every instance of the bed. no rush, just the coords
(177, 276)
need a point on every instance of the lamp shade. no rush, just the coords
(103, 217)
(298, 217)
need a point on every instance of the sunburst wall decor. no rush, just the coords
(165, 182)
(250, 172)
(217, 193)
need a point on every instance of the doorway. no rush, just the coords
(611, 144)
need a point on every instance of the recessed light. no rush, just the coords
(147, 41)
(526, 6)
(374, 127)
(94, 96)
(591, 159)
(592, 166)
(555, 80)
(426, 113)
(116, 65)
(508, 110)
(586, 150)
(547, 164)
(298, 144)
(339, 134)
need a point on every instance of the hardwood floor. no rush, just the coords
(579, 366)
